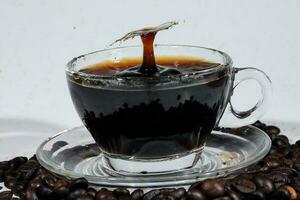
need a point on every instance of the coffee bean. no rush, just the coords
(61, 191)
(104, 194)
(17, 161)
(234, 195)
(259, 124)
(149, 195)
(1, 176)
(48, 180)
(6, 195)
(223, 198)
(213, 188)
(85, 197)
(272, 136)
(288, 162)
(30, 194)
(264, 183)
(292, 192)
(281, 140)
(73, 195)
(44, 192)
(92, 192)
(272, 130)
(121, 191)
(283, 150)
(163, 197)
(137, 194)
(178, 193)
(196, 194)
(81, 183)
(125, 197)
(9, 182)
(35, 183)
(19, 188)
(278, 179)
(270, 162)
(257, 195)
(244, 186)
(4, 165)
(283, 193)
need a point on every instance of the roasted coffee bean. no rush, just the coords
(19, 187)
(270, 162)
(272, 136)
(213, 188)
(196, 194)
(10, 172)
(48, 180)
(178, 193)
(35, 183)
(137, 194)
(6, 195)
(81, 183)
(29, 174)
(17, 161)
(61, 191)
(163, 197)
(1, 176)
(73, 195)
(264, 184)
(234, 195)
(223, 198)
(272, 129)
(257, 195)
(30, 194)
(9, 182)
(244, 186)
(281, 140)
(121, 191)
(105, 195)
(85, 197)
(92, 192)
(282, 193)
(4, 165)
(283, 150)
(292, 192)
(44, 191)
(259, 124)
(288, 162)
(278, 178)
(149, 195)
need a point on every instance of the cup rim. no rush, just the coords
(72, 63)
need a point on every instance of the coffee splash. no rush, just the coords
(148, 66)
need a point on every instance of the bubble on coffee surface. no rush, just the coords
(148, 66)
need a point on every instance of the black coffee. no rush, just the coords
(150, 121)
(153, 123)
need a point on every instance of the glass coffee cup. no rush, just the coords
(159, 124)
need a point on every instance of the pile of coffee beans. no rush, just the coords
(276, 177)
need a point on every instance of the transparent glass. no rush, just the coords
(159, 124)
(73, 153)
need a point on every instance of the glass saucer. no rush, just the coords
(73, 153)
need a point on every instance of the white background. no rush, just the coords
(38, 38)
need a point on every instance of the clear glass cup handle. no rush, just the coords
(233, 118)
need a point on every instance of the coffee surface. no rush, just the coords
(181, 64)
